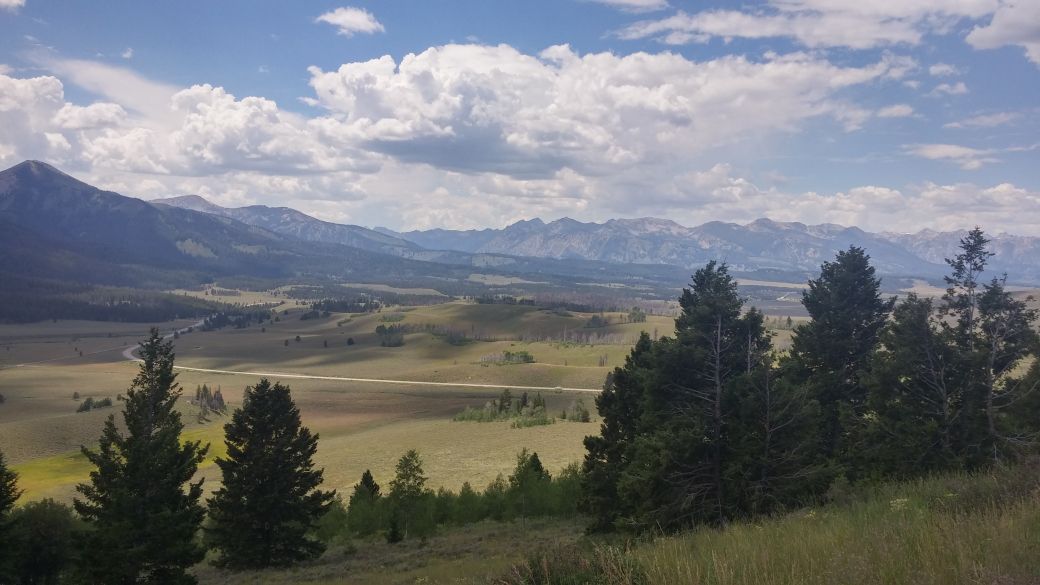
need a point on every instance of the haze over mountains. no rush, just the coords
(760, 245)
(55, 226)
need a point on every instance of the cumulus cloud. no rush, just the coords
(97, 115)
(817, 23)
(479, 108)
(1016, 22)
(985, 120)
(896, 111)
(942, 89)
(943, 70)
(634, 5)
(720, 194)
(470, 135)
(350, 21)
(128, 53)
(966, 157)
(11, 4)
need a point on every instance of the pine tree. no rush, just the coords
(407, 494)
(688, 407)
(833, 349)
(143, 520)
(363, 510)
(619, 406)
(269, 499)
(994, 334)
(916, 395)
(529, 485)
(9, 494)
(665, 457)
(963, 284)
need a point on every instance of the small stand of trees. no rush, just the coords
(522, 411)
(712, 425)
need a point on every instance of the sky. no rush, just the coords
(892, 115)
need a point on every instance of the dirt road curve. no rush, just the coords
(128, 353)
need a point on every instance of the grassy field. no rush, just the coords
(362, 425)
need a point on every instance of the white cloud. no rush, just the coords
(470, 136)
(148, 98)
(128, 53)
(634, 5)
(943, 70)
(350, 21)
(478, 108)
(958, 88)
(1016, 22)
(97, 115)
(896, 111)
(985, 120)
(856, 24)
(11, 4)
(966, 157)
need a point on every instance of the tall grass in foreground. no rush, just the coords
(960, 528)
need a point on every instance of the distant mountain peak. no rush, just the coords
(39, 173)
(192, 202)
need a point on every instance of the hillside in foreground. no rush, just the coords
(958, 528)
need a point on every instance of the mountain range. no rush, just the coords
(763, 245)
(56, 227)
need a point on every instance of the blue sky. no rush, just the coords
(414, 114)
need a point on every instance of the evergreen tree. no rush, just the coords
(665, 456)
(993, 333)
(833, 349)
(143, 520)
(773, 442)
(963, 284)
(687, 408)
(916, 396)
(1006, 339)
(9, 494)
(269, 499)
(407, 497)
(363, 511)
(620, 406)
(529, 485)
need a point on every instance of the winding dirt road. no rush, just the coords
(128, 353)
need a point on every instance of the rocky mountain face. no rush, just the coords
(762, 245)
(1018, 256)
(56, 227)
(289, 222)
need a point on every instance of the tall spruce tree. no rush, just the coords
(529, 486)
(9, 494)
(994, 333)
(964, 284)
(408, 497)
(833, 349)
(665, 453)
(143, 521)
(916, 396)
(620, 407)
(363, 510)
(269, 500)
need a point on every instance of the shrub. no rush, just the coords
(43, 538)
(570, 565)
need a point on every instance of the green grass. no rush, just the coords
(473, 555)
(958, 528)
